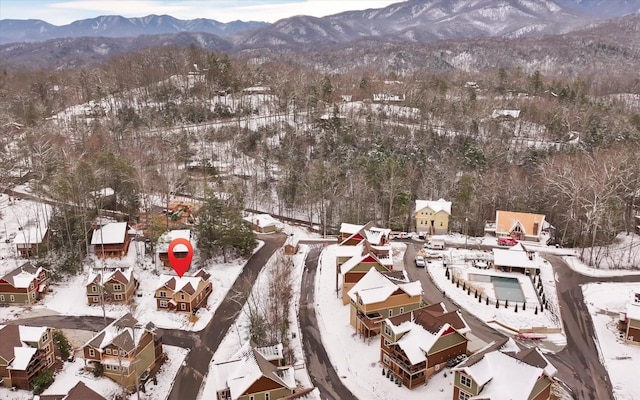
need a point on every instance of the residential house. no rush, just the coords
(351, 234)
(291, 245)
(30, 241)
(124, 351)
(518, 225)
(630, 323)
(506, 372)
(264, 223)
(79, 391)
(516, 259)
(432, 217)
(187, 293)
(364, 256)
(24, 285)
(255, 373)
(25, 352)
(180, 250)
(417, 344)
(111, 240)
(377, 297)
(116, 285)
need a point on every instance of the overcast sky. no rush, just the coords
(61, 12)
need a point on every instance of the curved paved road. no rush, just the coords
(320, 369)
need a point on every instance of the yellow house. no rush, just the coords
(377, 297)
(432, 217)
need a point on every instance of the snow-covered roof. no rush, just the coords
(22, 276)
(374, 287)
(249, 365)
(125, 275)
(167, 237)
(178, 284)
(383, 256)
(348, 251)
(263, 220)
(436, 206)
(350, 229)
(417, 343)
(31, 334)
(124, 333)
(31, 235)
(111, 233)
(23, 356)
(509, 258)
(633, 311)
(503, 377)
(505, 113)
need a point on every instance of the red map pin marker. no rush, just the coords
(180, 265)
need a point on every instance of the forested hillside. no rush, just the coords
(351, 146)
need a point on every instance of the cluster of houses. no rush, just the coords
(416, 339)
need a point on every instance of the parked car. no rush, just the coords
(552, 241)
(420, 263)
(507, 241)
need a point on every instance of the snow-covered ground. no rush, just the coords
(620, 258)
(238, 333)
(73, 372)
(605, 301)
(69, 297)
(355, 360)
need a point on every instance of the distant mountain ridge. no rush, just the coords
(115, 26)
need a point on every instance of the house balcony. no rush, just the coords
(409, 369)
(369, 324)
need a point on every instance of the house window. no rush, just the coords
(463, 395)
(107, 367)
(49, 360)
(387, 343)
(181, 296)
(123, 353)
(266, 396)
(251, 397)
(95, 299)
(45, 337)
(385, 359)
(401, 310)
(163, 294)
(108, 351)
(535, 228)
(1, 297)
(387, 330)
(94, 288)
(12, 298)
(163, 303)
(117, 296)
(390, 313)
(92, 353)
(465, 380)
(33, 295)
(117, 288)
(183, 306)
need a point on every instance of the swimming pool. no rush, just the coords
(505, 288)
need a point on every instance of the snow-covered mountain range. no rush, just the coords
(413, 20)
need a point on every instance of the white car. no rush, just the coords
(420, 262)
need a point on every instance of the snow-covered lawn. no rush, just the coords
(620, 258)
(73, 372)
(238, 333)
(69, 297)
(605, 301)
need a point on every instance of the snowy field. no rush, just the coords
(73, 372)
(621, 258)
(605, 301)
(238, 333)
